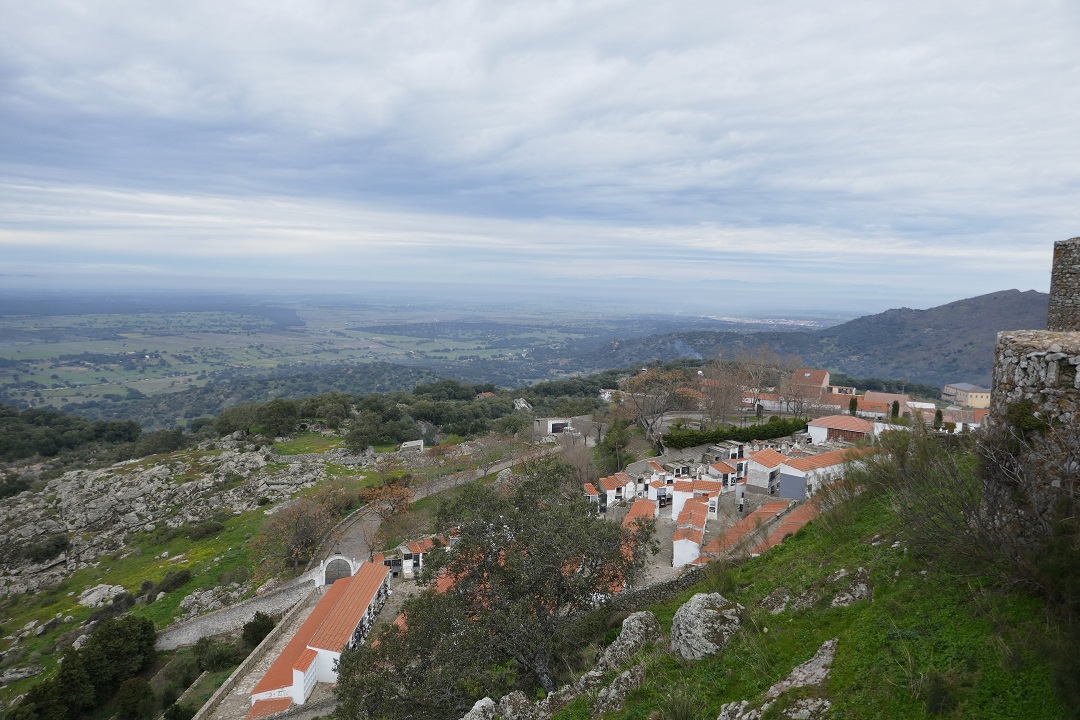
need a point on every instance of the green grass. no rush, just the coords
(209, 560)
(925, 642)
(307, 443)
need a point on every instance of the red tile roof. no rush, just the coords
(722, 468)
(342, 620)
(640, 509)
(768, 457)
(420, 546)
(843, 422)
(325, 623)
(692, 534)
(811, 377)
(711, 487)
(614, 482)
(744, 527)
(791, 524)
(262, 708)
(815, 462)
(279, 674)
(686, 486)
(304, 661)
(590, 490)
(656, 466)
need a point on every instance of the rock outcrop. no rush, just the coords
(97, 509)
(637, 630)
(812, 673)
(704, 625)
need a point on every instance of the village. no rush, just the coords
(725, 499)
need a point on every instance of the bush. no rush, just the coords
(179, 711)
(134, 700)
(174, 580)
(213, 655)
(257, 628)
(203, 530)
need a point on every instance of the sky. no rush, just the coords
(719, 155)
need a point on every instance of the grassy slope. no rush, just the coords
(925, 641)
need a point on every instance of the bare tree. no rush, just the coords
(291, 535)
(651, 394)
(722, 385)
(761, 368)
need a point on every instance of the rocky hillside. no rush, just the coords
(97, 510)
(949, 343)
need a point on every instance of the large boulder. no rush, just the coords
(614, 695)
(482, 710)
(516, 706)
(704, 625)
(637, 630)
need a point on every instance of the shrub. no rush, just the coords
(174, 580)
(213, 655)
(203, 530)
(179, 711)
(257, 628)
(134, 700)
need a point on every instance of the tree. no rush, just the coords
(938, 419)
(525, 562)
(135, 699)
(762, 370)
(257, 628)
(291, 535)
(722, 386)
(853, 405)
(388, 500)
(895, 409)
(651, 394)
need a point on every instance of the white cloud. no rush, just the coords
(853, 135)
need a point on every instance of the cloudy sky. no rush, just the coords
(852, 155)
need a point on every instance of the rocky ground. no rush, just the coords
(97, 509)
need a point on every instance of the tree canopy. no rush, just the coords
(495, 614)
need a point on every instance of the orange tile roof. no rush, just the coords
(420, 546)
(692, 534)
(340, 623)
(657, 484)
(693, 514)
(378, 557)
(304, 661)
(980, 414)
(744, 527)
(590, 490)
(866, 405)
(722, 467)
(843, 422)
(708, 486)
(656, 466)
(791, 524)
(810, 376)
(262, 708)
(279, 674)
(768, 457)
(815, 462)
(686, 486)
(640, 509)
(613, 482)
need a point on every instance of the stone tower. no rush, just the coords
(1064, 314)
(1041, 366)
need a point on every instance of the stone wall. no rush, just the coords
(231, 619)
(1039, 366)
(1064, 313)
(657, 592)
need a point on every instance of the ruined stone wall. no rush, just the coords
(1064, 313)
(1040, 366)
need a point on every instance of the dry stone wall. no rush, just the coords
(1039, 366)
(1064, 312)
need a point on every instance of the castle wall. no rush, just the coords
(1040, 366)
